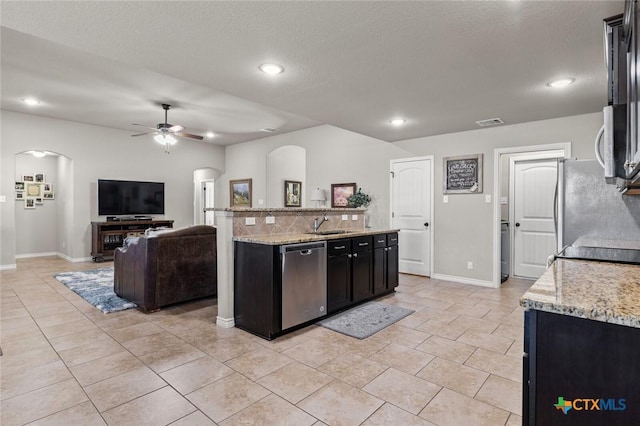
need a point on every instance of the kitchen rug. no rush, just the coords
(96, 287)
(365, 320)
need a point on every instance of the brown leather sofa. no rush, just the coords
(167, 267)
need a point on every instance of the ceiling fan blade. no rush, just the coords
(141, 134)
(177, 128)
(142, 125)
(188, 135)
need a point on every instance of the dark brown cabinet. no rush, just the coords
(354, 268)
(592, 365)
(385, 262)
(362, 262)
(338, 274)
(107, 236)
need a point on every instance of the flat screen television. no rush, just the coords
(125, 197)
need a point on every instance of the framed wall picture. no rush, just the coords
(28, 178)
(19, 195)
(29, 203)
(39, 177)
(48, 196)
(462, 174)
(47, 187)
(19, 186)
(340, 193)
(240, 193)
(33, 189)
(292, 193)
(39, 200)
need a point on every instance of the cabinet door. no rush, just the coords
(379, 270)
(392, 267)
(361, 277)
(338, 282)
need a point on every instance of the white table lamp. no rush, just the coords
(317, 195)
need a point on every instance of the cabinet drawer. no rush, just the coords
(338, 247)
(392, 239)
(380, 240)
(362, 243)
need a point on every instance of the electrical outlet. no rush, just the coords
(469, 265)
(345, 217)
(445, 199)
(270, 220)
(260, 202)
(504, 200)
(487, 198)
(249, 220)
(354, 217)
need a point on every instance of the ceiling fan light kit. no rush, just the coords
(166, 133)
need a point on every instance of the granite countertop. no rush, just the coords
(600, 291)
(277, 239)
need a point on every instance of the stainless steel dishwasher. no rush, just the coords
(304, 282)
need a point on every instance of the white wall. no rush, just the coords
(333, 156)
(463, 227)
(36, 229)
(98, 152)
(285, 163)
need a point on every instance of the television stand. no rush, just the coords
(107, 236)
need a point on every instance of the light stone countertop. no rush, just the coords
(293, 238)
(600, 291)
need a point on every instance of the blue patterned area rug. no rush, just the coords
(96, 287)
(365, 320)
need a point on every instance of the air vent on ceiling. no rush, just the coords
(489, 122)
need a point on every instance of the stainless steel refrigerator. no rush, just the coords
(591, 213)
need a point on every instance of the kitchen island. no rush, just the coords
(582, 345)
(287, 281)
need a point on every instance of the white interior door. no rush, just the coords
(534, 238)
(411, 190)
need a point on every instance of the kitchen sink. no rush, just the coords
(334, 232)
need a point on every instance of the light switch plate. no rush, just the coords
(3, 198)
(445, 199)
(354, 217)
(250, 221)
(270, 220)
(345, 217)
(260, 202)
(487, 198)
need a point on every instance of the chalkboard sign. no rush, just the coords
(462, 174)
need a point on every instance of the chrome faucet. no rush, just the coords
(316, 225)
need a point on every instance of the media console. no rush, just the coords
(107, 236)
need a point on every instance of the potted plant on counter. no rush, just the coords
(359, 199)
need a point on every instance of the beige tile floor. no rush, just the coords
(455, 361)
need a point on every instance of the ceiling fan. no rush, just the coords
(165, 133)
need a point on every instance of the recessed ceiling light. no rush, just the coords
(210, 135)
(31, 101)
(271, 68)
(563, 82)
(398, 121)
(268, 130)
(38, 154)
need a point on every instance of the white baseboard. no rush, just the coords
(225, 322)
(463, 280)
(8, 267)
(30, 255)
(74, 259)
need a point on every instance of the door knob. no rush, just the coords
(426, 224)
(517, 224)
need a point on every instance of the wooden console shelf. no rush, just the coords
(107, 236)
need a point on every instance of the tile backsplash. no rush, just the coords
(294, 221)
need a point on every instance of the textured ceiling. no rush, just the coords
(441, 64)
